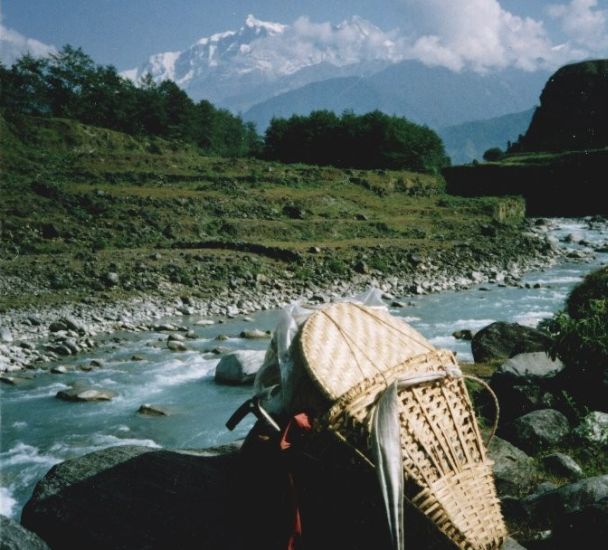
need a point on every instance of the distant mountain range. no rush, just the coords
(266, 70)
(469, 141)
(434, 96)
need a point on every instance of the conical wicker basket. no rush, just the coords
(353, 353)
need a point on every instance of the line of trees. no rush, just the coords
(69, 84)
(372, 140)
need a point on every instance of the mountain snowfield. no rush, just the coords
(237, 69)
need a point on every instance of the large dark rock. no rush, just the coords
(16, 537)
(515, 473)
(526, 382)
(538, 430)
(239, 367)
(575, 513)
(502, 340)
(140, 498)
(135, 498)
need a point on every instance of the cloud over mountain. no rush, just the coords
(584, 23)
(480, 35)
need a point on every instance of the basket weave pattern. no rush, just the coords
(449, 477)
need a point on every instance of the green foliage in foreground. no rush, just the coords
(372, 140)
(581, 336)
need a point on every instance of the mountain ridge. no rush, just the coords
(437, 97)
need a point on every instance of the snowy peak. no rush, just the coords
(271, 28)
(270, 50)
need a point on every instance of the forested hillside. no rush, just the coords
(70, 85)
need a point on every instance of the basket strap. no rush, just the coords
(496, 405)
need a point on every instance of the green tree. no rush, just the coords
(70, 73)
(493, 154)
(24, 87)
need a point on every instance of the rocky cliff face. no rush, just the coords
(573, 112)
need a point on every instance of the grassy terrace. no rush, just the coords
(79, 202)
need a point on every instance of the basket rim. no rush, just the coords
(328, 319)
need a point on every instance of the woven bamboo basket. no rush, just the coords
(353, 353)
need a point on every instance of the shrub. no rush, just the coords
(581, 341)
(494, 154)
(583, 297)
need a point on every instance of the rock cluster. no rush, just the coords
(545, 492)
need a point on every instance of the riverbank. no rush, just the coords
(36, 335)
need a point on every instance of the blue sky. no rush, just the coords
(125, 32)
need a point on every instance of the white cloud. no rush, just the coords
(307, 43)
(478, 34)
(13, 45)
(583, 23)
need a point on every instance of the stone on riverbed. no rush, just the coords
(60, 369)
(502, 340)
(239, 367)
(85, 394)
(12, 380)
(255, 334)
(175, 345)
(152, 410)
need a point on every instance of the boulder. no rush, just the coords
(141, 498)
(538, 430)
(574, 512)
(512, 544)
(152, 410)
(5, 335)
(111, 278)
(239, 367)
(175, 345)
(526, 382)
(502, 340)
(13, 536)
(136, 498)
(60, 369)
(562, 465)
(255, 334)
(593, 428)
(85, 394)
(515, 473)
(463, 334)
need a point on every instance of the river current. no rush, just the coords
(38, 430)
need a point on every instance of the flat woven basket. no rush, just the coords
(353, 353)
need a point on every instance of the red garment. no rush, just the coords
(299, 423)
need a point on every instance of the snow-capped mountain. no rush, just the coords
(239, 68)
